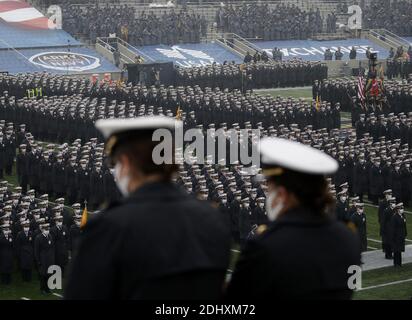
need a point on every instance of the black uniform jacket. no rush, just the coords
(159, 243)
(299, 256)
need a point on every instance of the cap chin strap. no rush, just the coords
(273, 171)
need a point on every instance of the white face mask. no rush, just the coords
(343, 199)
(401, 211)
(392, 206)
(121, 182)
(273, 213)
(46, 232)
(59, 224)
(26, 229)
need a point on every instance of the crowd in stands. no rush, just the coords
(137, 28)
(395, 16)
(282, 22)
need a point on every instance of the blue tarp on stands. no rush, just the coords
(15, 37)
(15, 62)
(187, 55)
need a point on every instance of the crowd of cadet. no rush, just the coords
(253, 74)
(35, 234)
(238, 195)
(46, 116)
(396, 96)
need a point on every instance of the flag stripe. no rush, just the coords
(22, 14)
(361, 89)
(12, 5)
(39, 23)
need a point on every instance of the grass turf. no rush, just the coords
(301, 92)
(400, 291)
(18, 289)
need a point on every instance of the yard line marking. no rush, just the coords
(373, 248)
(228, 270)
(57, 295)
(385, 284)
(373, 240)
(372, 205)
(24, 298)
(234, 250)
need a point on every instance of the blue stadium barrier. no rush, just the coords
(187, 55)
(14, 37)
(82, 60)
(314, 50)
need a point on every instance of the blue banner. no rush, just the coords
(314, 50)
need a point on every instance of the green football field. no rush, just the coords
(386, 283)
(300, 92)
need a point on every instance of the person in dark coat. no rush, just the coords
(6, 254)
(44, 253)
(376, 183)
(22, 168)
(180, 245)
(245, 215)
(383, 205)
(61, 241)
(74, 234)
(259, 216)
(24, 249)
(342, 210)
(360, 177)
(297, 206)
(58, 177)
(359, 220)
(352, 54)
(234, 214)
(398, 233)
(386, 228)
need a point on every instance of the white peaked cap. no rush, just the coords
(109, 127)
(296, 156)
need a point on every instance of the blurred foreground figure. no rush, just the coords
(304, 253)
(158, 242)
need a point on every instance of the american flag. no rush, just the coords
(21, 14)
(361, 89)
